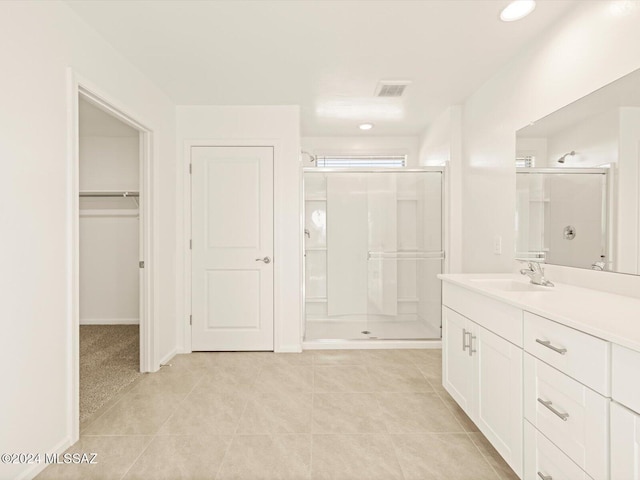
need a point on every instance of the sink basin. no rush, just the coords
(507, 285)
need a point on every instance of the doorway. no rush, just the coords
(109, 241)
(111, 249)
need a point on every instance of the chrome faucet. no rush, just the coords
(536, 273)
(599, 265)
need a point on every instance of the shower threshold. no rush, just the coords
(358, 330)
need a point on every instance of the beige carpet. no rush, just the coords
(109, 362)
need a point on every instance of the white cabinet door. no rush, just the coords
(457, 364)
(232, 255)
(625, 443)
(498, 393)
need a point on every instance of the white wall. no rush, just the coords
(40, 40)
(109, 163)
(628, 190)
(258, 125)
(587, 49)
(363, 145)
(595, 141)
(441, 145)
(109, 230)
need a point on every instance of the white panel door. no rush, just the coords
(232, 250)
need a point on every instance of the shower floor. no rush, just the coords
(387, 330)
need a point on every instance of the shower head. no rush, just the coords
(561, 159)
(312, 158)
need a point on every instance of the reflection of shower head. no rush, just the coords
(571, 153)
(312, 158)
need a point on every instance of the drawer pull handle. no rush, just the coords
(545, 477)
(549, 405)
(547, 344)
(464, 339)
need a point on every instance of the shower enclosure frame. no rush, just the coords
(607, 202)
(367, 343)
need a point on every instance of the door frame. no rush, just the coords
(77, 87)
(186, 229)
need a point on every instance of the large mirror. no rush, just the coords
(578, 182)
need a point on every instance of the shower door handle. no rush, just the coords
(265, 260)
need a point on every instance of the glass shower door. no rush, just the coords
(405, 255)
(373, 244)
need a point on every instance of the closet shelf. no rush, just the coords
(109, 193)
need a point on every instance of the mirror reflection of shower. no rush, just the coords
(569, 154)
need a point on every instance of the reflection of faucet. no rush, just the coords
(306, 232)
(536, 273)
(600, 265)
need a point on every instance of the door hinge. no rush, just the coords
(141, 264)
(190, 244)
(190, 169)
(190, 319)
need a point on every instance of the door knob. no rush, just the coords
(265, 260)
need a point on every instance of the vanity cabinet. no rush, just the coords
(625, 414)
(483, 373)
(544, 461)
(555, 401)
(572, 416)
(457, 363)
(625, 443)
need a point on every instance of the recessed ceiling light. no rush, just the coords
(517, 9)
(366, 126)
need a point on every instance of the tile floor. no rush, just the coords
(348, 414)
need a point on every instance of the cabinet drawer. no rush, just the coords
(572, 416)
(500, 318)
(625, 384)
(575, 353)
(543, 460)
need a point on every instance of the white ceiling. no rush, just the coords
(326, 56)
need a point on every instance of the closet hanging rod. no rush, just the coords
(123, 194)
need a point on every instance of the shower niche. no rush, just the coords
(372, 252)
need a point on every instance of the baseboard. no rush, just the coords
(289, 349)
(164, 360)
(33, 470)
(109, 321)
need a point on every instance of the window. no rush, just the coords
(375, 161)
(525, 161)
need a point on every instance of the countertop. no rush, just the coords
(612, 317)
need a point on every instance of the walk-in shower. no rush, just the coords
(373, 249)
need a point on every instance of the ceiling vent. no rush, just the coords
(391, 88)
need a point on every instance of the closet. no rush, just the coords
(109, 233)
